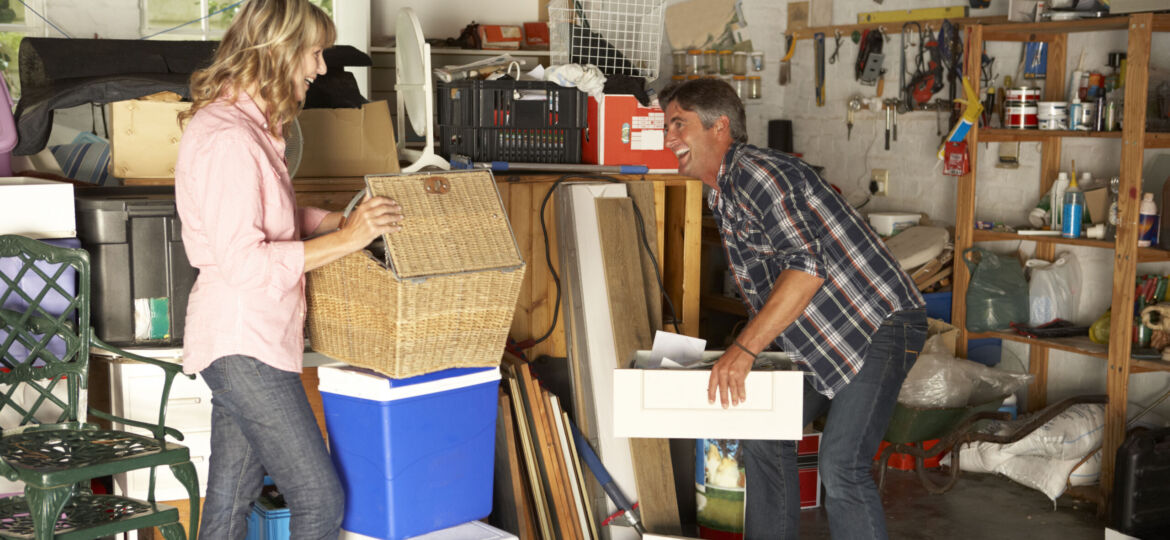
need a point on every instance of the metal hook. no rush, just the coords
(837, 47)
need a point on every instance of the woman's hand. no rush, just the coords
(372, 218)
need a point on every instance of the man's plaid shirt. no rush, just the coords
(775, 213)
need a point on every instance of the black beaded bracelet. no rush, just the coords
(745, 349)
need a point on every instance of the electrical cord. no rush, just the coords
(556, 277)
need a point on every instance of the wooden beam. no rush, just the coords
(965, 206)
(1125, 261)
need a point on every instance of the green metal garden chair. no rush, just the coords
(45, 344)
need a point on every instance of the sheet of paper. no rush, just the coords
(699, 23)
(681, 350)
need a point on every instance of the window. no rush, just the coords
(194, 19)
(16, 22)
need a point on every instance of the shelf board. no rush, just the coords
(1056, 27)
(443, 51)
(1143, 254)
(1157, 140)
(1025, 135)
(726, 304)
(1077, 344)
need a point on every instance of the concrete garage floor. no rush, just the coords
(980, 506)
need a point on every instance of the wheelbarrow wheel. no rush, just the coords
(929, 483)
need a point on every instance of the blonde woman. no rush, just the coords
(243, 231)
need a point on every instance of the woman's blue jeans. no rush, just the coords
(857, 418)
(261, 422)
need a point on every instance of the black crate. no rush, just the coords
(518, 121)
(1141, 485)
(140, 267)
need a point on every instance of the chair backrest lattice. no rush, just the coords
(44, 331)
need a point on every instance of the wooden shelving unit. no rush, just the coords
(1134, 139)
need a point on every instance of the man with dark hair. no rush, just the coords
(818, 284)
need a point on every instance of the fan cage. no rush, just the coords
(632, 27)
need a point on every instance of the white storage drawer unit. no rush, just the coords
(135, 391)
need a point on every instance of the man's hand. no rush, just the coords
(728, 376)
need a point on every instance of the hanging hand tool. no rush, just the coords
(868, 68)
(889, 108)
(950, 47)
(836, 46)
(928, 79)
(819, 41)
(907, 100)
(897, 103)
(786, 61)
(853, 106)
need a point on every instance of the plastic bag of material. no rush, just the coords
(998, 293)
(940, 380)
(1053, 289)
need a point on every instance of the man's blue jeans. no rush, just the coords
(261, 422)
(857, 419)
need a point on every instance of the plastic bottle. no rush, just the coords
(1057, 199)
(1072, 211)
(1147, 221)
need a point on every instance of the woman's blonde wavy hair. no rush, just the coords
(263, 49)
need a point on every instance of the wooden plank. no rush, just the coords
(642, 194)
(518, 207)
(1125, 262)
(572, 475)
(584, 491)
(552, 419)
(653, 470)
(531, 455)
(546, 455)
(310, 381)
(512, 504)
(965, 207)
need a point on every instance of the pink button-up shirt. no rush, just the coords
(242, 230)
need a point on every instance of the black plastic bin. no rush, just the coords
(516, 121)
(1141, 486)
(141, 276)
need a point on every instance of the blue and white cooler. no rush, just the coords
(414, 455)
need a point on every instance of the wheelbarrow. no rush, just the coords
(955, 426)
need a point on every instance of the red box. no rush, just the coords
(536, 35)
(807, 472)
(623, 132)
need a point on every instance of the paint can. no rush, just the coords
(1022, 117)
(1022, 95)
(1086, 117)
(1052, 115)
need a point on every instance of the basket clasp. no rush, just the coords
(436, 185)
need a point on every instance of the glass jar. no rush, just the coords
(757, 58)
(739, 84)
(739, 63)
(680, 61)
(755, 87)
(725, 62)
(711, 61)
(694, 62)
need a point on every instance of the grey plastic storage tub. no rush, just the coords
(141, 277)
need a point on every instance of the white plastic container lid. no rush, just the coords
(367, 384)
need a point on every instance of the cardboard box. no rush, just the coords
(347, 142)
(623, 132)
(37, 208)
(144, 137)
(672, 403)
(499, 36)
(536, 35)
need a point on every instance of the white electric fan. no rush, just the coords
(415, 91)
